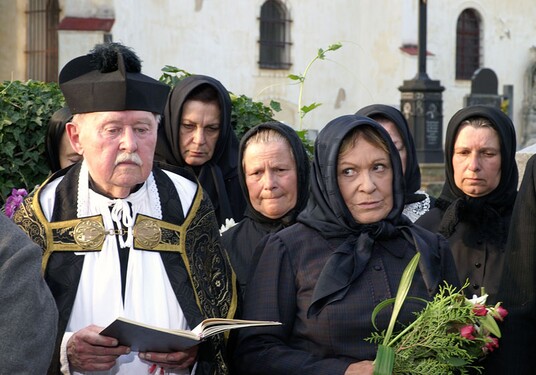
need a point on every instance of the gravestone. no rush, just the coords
(484, 86)
(528, 131)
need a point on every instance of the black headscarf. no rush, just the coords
(328, 213)
(55, 131)
(483, 211)
(302, 169)
(412, 175)
(215, 174)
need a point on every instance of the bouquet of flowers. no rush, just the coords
(450, 335)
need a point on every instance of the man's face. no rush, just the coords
(117, 146)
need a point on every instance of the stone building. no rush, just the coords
(253, 45)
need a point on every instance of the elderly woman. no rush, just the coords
(274, 175)
(323, 276)
(416, 201)
(197, 132)
(475, 206)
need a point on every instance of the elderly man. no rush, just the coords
(121, 237)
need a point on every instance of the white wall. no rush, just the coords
(219, 38)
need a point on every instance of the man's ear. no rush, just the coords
(73, 132)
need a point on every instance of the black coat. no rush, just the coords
(323, 276)
(518, 286)
(479, 257)
(218, 176)
(242, 240)
(477, 228)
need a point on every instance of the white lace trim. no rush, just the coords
(121, 213)
(415, 210)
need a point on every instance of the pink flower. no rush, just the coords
(480, 310)
(500, 313)
(491, 345)
(467, 332)
(14, 201)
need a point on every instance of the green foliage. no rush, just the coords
(300, 79)
(25, 109)
(432, 344)
(172, 75)
(248, 113)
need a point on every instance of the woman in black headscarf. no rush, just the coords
(197, 132)
(274, 164)
(323, 276)
(58, 150)
(416, 201)
(475, 206)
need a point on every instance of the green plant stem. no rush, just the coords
(300, 95)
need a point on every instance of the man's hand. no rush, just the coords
(89, 351)
(172, 361)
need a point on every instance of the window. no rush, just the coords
(274, 36)
(467, 44)
(42, 40)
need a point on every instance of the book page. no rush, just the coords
(213, 326)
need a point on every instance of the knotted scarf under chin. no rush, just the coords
(345, 265)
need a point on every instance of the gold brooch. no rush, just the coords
(90, 233)
(147, 233)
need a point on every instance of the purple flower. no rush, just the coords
(14, 201)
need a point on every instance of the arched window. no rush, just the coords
(42, 40)
(467, 44)
(274, 41)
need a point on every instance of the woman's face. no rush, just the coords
(397, 140)
(477, 160)
(271, 178)
(365, 179)
(199, 131)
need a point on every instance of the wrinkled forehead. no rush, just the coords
(118, 117)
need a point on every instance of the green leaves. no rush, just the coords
(385, 357)
(295, 77)
(308, 108)
(25, 108)
(385, 360)
(322, 53)
(172, 75)
(300, 78)
(247, 113)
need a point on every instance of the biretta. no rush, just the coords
(109, 78)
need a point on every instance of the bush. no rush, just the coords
(25, 109)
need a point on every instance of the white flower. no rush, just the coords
(478, 300)
(229, 223)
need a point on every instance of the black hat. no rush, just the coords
(109, 78)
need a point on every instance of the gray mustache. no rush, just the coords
(125, 157)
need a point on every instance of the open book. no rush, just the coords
(145, 338)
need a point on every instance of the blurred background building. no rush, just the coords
(251, 46)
